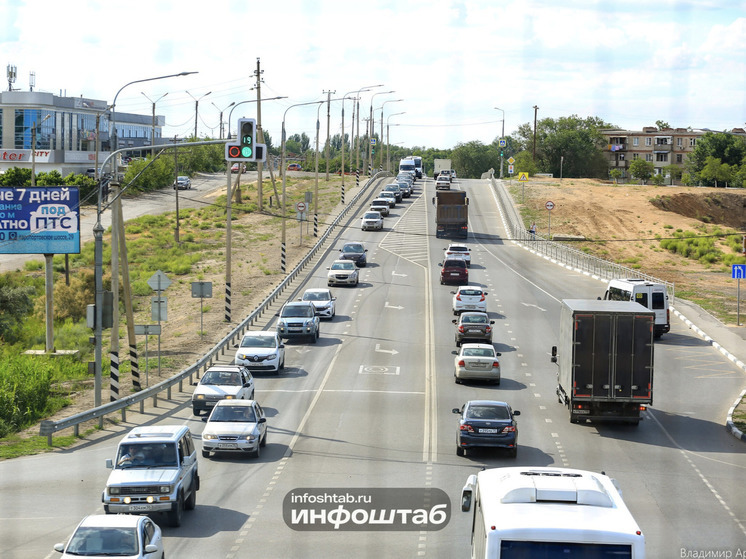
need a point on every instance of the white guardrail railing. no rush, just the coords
(562, 253)
(49, 427)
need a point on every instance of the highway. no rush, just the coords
(369, 407)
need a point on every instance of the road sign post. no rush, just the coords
(738, 271)
(549, 206)
(201, 289)
(159, 282)
(148, 330)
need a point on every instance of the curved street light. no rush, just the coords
(502, 137)
(381, 107)
(221, 116)
(152, 136)
(196, 109)
(372, 127)
(366, 88)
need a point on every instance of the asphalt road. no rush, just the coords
(369, 407)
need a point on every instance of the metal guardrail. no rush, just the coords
(562, 253)
(49, 427)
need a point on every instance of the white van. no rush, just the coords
(408, 166)
(650, 295)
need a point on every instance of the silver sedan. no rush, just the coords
(477, 362)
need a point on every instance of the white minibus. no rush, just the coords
(652, 296)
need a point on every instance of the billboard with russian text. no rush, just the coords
(40, 220)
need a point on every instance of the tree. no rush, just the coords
(615, 174)
(662, 124)
(474, 158)
(727, 148)
(641, 170)
(715, 170)
(15, 304)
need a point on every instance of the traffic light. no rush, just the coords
(246, 149)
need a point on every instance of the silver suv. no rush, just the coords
(155, 470)
(298, 319)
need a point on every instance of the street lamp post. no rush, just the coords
(221, 116)
(98, 234)
(502, 137)
(388, 161)
(152, 134)
(382, 106)
(372, 127)
(196, 109)
(357, 142)
(283, 170)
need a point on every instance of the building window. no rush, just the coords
(692, 142)
(648, 157)
(679, 142)
(648, 141)
(25, 121)
(661, 157)
(679, 158)
(621, 157)
(635, 141)
(635, 156)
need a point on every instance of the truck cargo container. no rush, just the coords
(451, 213)
(605, 359)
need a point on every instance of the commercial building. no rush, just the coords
(73, 134)
(662, 148)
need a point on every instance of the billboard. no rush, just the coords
(40, 220)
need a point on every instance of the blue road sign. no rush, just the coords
(738, 271)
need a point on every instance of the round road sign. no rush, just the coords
(301, 207)
(549, 205)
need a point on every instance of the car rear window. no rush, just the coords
(454, 264)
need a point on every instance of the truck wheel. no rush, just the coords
(175, 516)
(574, 419)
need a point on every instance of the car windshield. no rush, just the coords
(103, 541)
(372, 215)
(258, 341)
(478, 352)
(343, 266)
(317, 295)
(297, 311)
(146, 455)
(237, 414)
(353, 248)
(221, 378)
(487, 412)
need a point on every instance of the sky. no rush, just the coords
(445, 64)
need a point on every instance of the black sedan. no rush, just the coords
(486, 423)
(355, 252)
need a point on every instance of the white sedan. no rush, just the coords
(372, 221)
(477, 362)
(342, 272)
(114, 535)
(322, 300)
(458, 250)
(261, 351)
(469, 298)
(235, 426)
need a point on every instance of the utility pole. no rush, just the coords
(259, 132)
(328, 132)
(535, 111)
(114, 349)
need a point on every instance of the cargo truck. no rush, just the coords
(440, 165)
(605, 359)
(451, 213)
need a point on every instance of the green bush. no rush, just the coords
(24, 391)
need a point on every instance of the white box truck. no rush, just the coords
(440, 165)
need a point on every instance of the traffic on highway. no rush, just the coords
(350, 422)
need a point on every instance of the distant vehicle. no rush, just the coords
(451, 213)
(372, 221)
(356, 252)
(238, 168)
(295, 167)
(222, 382)
(454, 270)
(298, 319)
(474, 327)
(182, 182)
(445, 174)
(390, 196)
(469, 298)
(442, 183)
(605, 359)
(477, 362)
(439, 165)
(261, 351)
(342, 272)
(487, 423)
(458, 250)
(237, 426)
(652, 296)
(418, 168)
(406, 188)
(396, 189)
(407, 165)
(324, 303)
(109, 535)
(381, 205)
(532, 511)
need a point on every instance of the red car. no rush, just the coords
(454, 270)
(294, 167)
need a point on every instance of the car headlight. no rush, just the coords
(209, 436)
(165, 489)
(273, 356)
(114, 490)
(199, 397)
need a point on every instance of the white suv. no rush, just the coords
(155, 470)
